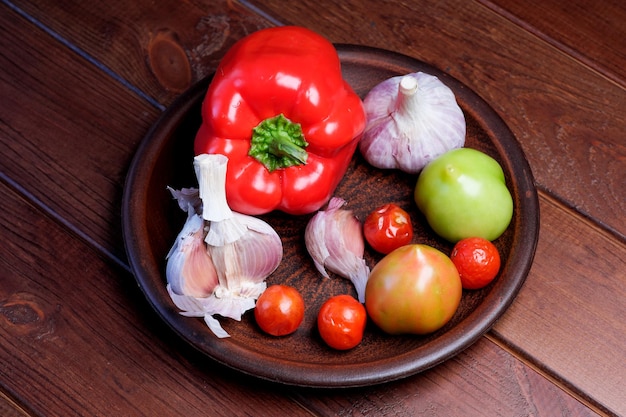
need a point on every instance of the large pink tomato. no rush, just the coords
(415, 289)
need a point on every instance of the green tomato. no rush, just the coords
(463, 194)
(415, 289)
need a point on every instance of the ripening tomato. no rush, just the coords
(463, 193)
(387, 228)
(415, 289)
(341, 322)
(477, 261)
(279, 310)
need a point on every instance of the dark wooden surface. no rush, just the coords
(82, 82)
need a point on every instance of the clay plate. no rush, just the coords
(151, 220)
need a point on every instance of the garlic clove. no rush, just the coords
(251, 258)
(412, 119)
(190, 270)
(334, 239)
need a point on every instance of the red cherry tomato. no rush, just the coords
(477, 261)
(387, 228)
(341, 322)
(279, 310)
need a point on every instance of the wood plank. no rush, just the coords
(569, 316)
(68, 140)
(482, 381)
(9, 409)
(592, 31)
(515, 72)
(159, 49)
(81, 339)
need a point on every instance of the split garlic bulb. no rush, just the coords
(220, 260)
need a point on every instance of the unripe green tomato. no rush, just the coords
(463, 194)
(416, 289)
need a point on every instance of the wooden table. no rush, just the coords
(82, 82)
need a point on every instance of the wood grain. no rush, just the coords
(68, 140)
(9, 409)
(160, 50)
(84, 341)
(591, 31)
(487, 376)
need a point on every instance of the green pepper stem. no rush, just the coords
(277, 143)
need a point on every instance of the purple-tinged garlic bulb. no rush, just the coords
(411, 120)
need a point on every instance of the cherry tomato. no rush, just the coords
(477, 261)
(341, 322)
(387, 228)
(279, 310)
(413, 290)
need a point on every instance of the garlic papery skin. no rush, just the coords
(190, 270)
(411, 120)
(185, 197)
(334, 239)
(222, 302)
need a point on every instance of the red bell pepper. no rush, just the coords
(280, 110)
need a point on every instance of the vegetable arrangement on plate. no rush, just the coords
(279, 129)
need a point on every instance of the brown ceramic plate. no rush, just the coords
(151, 221)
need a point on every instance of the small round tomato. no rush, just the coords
(477, 261)
(279, 310)
(341, 322)
(415, 289)
(387, 228)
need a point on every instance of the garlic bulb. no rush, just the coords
(242, 250)
(411, 120)
(334, 239)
